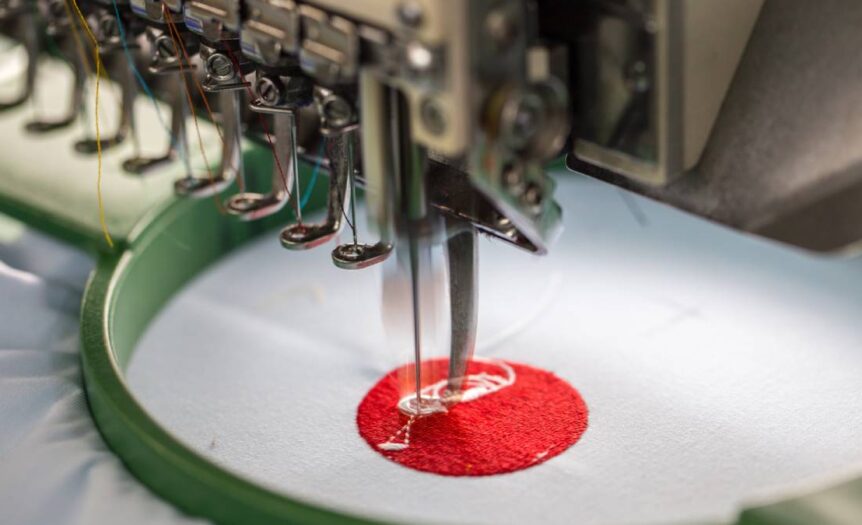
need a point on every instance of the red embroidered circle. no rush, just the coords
(527, 423)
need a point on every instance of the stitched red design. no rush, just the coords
(535, 419)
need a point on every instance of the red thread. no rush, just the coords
(263, 125)
(182, 47)
(535, 419)
(177, 39)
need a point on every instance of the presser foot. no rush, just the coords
(412, 406)
(141, 165)
(46, 126)
(358, 256)
(200, 188)
(252, 206)
(211, 86)
(306, 237)
(91, 146)
(12, 104)
(168, 69)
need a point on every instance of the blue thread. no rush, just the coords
(139, 77)
(313, 179)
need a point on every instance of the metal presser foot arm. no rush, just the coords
(377, 166)
(165, 61)
(32, 46)
(355, 255)
(128, 91)
(250, 206)
(139, 165)
(77, 99)
(231, 157)
(302, 236)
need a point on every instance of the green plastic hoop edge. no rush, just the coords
(124, 292)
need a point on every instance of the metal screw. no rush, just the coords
(637, 77)
(410, 13)
(526, 120)
(532, 197)
(109, 26)
(268, 90)
(511, 175)
(523, 122)
(432, 116)
(419, 57)
(165, 48)
(220, 66)
(337, 112)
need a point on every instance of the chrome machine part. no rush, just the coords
(202, 186)
(463, 257)
(282, 97)
(165, 57)
(106, 29)
(465, 82)
(354, 255)
(57, 26)
(24, 14)
(418, 227)
(495, 113)
(281, 91)
(328, 53)
(218, 24)
(338, 125)
(166, 60)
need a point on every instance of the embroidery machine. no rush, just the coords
(446, 113)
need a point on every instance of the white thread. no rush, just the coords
(475, 386)
(394, 446)
(541, 455)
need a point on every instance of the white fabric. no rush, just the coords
(717, 368)
(54, 467)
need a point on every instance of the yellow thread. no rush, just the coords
(79, 46)
(82, 53)
(98, 60)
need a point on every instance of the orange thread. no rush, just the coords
(200, 89)
(265, 127)
(182, 47)
(177, 40)
(98, 61)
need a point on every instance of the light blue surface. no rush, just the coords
(718, 369)
(54, 467)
